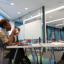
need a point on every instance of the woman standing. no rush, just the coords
(20, 57)
(4, 27)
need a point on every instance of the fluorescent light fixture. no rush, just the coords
(47, 12)
(18, 12)
(26, 8)
(32, 17)
(55, 20)
(12, 4)
(53, 10)
(59, 24)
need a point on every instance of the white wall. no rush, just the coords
(31, 30)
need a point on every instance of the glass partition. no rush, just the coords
(32, 33)
(32, 25)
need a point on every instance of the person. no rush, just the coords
(4, 27)
(20, 56)
(12, 38)
(11, 41)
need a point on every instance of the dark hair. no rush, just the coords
(18, 28)
(5, 24)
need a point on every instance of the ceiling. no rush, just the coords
(20, 5)
(19, 9)
(55, 19)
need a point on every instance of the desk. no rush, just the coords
(54, 44)
(37, 45)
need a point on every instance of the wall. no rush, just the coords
(31, 30)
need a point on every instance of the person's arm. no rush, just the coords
(11, 40)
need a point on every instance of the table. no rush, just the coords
(54, 44)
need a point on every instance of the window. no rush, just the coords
(1, 17)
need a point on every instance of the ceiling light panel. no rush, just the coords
(55, 20)
(26, 8)
(18, 12)
(12, 4)
(53, 10)
(59, 24)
